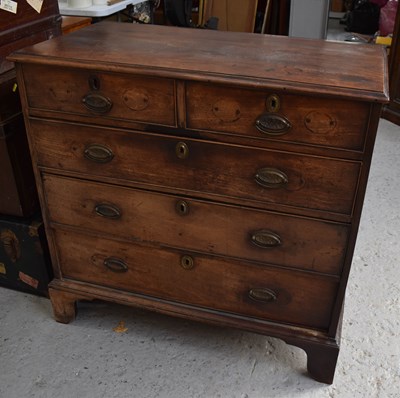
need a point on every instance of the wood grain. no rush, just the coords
(260, 60)
(314, 121)
(153, 218)
(213, 283)
(229, 170)
(132, 97)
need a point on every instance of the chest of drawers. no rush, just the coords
(208, 175)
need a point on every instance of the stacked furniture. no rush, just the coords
(24, 262)
(221, 182)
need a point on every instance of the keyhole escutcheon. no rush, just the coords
(182, 207)
(273, 103)
(187, 262)
(182, 150)
(94, 83)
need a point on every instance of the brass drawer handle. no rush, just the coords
(98, 153)
(273, 124)
(108, 211)
(115, 264)
(182, 150)
(263, 295)
(266, 239)
(187, 262)
(269, 177)
(97, 103)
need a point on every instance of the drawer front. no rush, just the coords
(285, 117)
(256, 291)
(99, 94)
(196, 225)
(255, 174)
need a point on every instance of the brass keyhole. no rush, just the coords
(187, 262)
(182, 150)
(273, 103)
(94, 83)
(182, 207)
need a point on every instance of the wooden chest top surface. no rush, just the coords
(301, 65)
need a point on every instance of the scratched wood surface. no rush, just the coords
(299, 64)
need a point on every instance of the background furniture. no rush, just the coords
(233, 15)
(95, 10)
(18, 194)
(309, 18)
(71, 24)
(392, 110)
(26, 27)
(24, 259)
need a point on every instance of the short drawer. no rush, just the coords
(197, 225)
(259, 175)
(270, 115)
(205, 281)
(100, 94)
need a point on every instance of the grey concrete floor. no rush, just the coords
(159, 356)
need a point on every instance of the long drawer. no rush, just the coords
(102, 95)
(237, 287)
(280, 116)
(197, 225)
(259, 175)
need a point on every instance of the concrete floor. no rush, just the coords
(160, 356)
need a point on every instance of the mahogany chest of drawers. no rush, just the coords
(209, 175)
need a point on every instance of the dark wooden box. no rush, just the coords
(27, 27)
(18, 195)
(9, 96)
(24, 257)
